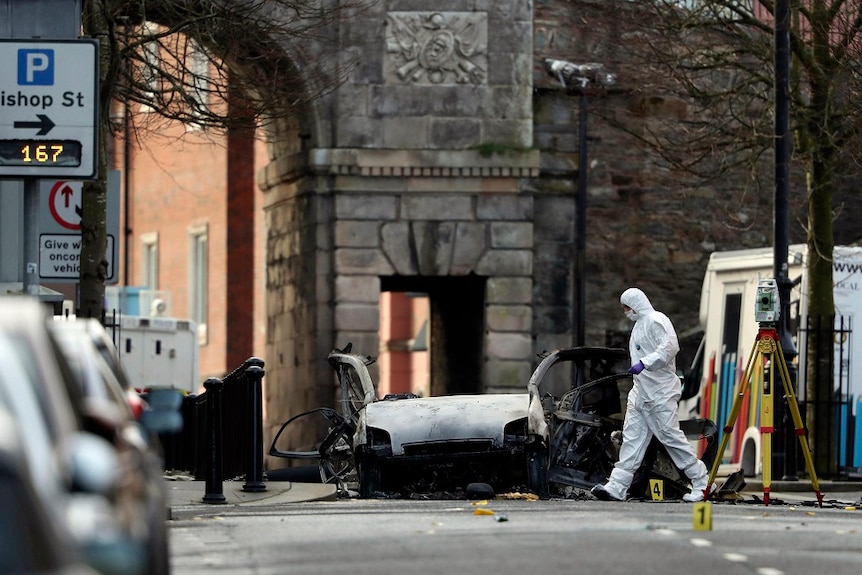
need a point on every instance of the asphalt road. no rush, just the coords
(377, 537)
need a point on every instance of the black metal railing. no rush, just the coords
(222, 435)
(841, 406)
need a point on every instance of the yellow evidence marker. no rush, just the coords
(656, 489)
(702, 516)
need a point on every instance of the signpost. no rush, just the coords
(49, 94)
(49, 108)
(60, 229)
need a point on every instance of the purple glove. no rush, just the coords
(636, 368)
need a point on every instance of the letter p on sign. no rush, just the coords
(35, 67)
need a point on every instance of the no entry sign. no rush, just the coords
(64, 203)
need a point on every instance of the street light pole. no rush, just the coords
(577, 78)
(781, 223)
(581, 225)
(782, 163)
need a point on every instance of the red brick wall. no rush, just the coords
(177, 179)
(240, 241)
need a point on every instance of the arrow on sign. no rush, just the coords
(44, 124)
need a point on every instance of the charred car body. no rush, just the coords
(440, 443)
(549, 445)
(585, 427)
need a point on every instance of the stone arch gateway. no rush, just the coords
(417, 165)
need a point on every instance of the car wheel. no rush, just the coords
(369, 477)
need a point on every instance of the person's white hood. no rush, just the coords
(637, 300)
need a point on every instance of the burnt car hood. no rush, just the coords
(443, 418)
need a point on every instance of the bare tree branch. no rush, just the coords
(717, 56)
(178, 57)
(213, 64)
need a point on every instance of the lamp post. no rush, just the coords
(578, 78)
(785, 458)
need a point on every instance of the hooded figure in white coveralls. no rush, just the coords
(652, 406)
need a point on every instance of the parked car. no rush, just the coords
(107, 360)
(70, 466)
(81, 453)
(549, 445)
(157, 409)
(35, 541)
(109, 401)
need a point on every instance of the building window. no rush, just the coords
(199, 279)
(150, 261)
(711, 9)
(198, 66)
(150, 63)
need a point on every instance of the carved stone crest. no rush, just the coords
(437, 47)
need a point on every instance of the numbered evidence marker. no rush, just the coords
(702, 516)
(656, 489)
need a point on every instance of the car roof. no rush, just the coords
(95, 376)
(24, 319)
(102, 343)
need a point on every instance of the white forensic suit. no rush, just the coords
(652, 406)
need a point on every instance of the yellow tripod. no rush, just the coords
(767, 346)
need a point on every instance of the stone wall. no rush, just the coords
(451, 77)
(432, 155)
(437, 221)
(645, 226)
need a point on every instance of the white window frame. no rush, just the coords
(199, 278)
(151, 62)
(198, 65)
(150, 260)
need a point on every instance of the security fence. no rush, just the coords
(222, 428)
(844, 403)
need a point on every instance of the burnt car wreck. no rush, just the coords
(401, 445)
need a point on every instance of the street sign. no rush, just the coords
(60, 229)
(49, 108)
(60, 257)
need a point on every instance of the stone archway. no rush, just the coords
(417, 166)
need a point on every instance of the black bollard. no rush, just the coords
(253, 361)
(214, 492)
(254, 471)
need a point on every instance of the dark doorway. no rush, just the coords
(455, 331)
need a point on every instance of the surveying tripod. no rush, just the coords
(767, 346)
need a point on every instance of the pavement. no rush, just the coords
(184, 496)
(188, 497)
(841, 492)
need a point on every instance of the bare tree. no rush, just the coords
(718, 57)
(185, 60)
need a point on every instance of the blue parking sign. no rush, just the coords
(35, 67)
(49, 108)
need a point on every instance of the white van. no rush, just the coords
(727, 316)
